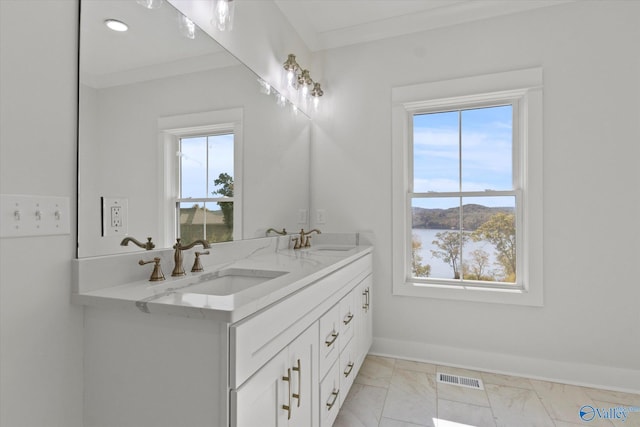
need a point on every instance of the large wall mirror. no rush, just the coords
(176, 136)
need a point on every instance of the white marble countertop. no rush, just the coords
(172, 296)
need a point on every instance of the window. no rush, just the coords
(205, 201)
(467, 181)
(201, 174)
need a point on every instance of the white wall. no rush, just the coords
(40, 331)
(589, 327)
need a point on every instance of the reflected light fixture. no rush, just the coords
(222, 16)
(115, 25)
(187, 27)
(150, 4)
(300, 79)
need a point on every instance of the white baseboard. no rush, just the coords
(598, 376)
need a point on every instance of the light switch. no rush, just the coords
(27, 215)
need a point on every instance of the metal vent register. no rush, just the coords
(474, 383)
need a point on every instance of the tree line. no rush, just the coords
(498, 229)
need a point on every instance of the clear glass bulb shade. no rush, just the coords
(223, 14)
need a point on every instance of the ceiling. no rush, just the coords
(326, 24)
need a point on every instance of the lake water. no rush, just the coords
(441, 269)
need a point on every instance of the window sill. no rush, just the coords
(468, 293)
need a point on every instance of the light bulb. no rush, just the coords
(316, 102)
(281, 100)
(305, 91)
(290, 76)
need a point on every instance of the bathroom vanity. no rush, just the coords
(265, 336)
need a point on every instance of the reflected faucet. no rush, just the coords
(282, 233)
(303, 242)
(178, 269)
(148, 245)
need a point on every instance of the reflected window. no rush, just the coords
(205, 203)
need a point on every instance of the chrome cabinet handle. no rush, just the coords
(298, 369)
(334, 394)
(347, 371)
(366, 300)
(348, 319)
(334, 337)
(288, 407)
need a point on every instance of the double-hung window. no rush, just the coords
(201, 174)
(467, 189)
(206, 197)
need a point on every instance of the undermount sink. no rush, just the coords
(230, 281)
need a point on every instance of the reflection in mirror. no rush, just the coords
(175, 138)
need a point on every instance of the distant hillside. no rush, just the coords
(474, 217)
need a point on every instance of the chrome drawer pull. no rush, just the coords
(333, 401)
(334, 337)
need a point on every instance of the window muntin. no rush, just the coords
(464, 196)
(205, 201)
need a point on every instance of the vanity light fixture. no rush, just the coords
(222, 16)
(115, 25)
(300, 79)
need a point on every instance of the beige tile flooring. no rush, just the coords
(398, 393)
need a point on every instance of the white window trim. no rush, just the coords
(524, 85)
(170, 130)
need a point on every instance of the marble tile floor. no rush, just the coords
(398, 393)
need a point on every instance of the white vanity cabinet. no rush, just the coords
(289, 363)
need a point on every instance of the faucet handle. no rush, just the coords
(157, 274)
(197, 264)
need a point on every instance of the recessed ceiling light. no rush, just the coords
(116, 25)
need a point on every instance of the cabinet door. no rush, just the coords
(303, 360)
(260, 400)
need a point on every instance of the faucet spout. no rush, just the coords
(178, 269)
(148, 245)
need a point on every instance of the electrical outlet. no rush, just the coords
(114, 216)
(321, 216)
(302, 216)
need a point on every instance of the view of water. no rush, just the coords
(441, 269)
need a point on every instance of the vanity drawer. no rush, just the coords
(329, 344)
(348, 313)
(348, 361)
(330, 395)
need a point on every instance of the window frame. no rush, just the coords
(171, 130)
(522, 89)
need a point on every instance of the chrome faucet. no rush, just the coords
(304, 241)
(178, 269)
(148, 245)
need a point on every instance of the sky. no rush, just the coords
(478, 142)
(203, 159)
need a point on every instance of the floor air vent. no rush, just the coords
(474, 383)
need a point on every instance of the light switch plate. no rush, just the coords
(28, 215)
